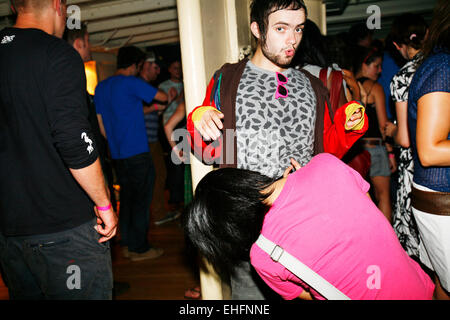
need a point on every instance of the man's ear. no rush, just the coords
(57, 5)
(78, 43)
(255, 29)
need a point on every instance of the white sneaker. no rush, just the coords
(150, 254)
(170, 216)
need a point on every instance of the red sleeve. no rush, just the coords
(337, 140)
(198, 146)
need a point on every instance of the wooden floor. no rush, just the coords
(164, 278)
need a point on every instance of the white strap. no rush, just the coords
(307, 275)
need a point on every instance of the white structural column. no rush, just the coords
(191, 42)
(317, 12)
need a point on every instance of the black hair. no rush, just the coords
(312, 48)
(358, 32)
(364, 55)
(439, 32)
(128, 56)
(409, 29)
(226, 215)
(261, 9)
(70, 35)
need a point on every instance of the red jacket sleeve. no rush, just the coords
(336, 139)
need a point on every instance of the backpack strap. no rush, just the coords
(302, 271)
(334, 86)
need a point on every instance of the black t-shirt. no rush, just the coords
(44, 131)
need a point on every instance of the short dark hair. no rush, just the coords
(261, 9)
(226, 215)
(358, 32)
(128, 56)
(70, 35)
(409, 29)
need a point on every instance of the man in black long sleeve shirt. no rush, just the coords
(50, 174)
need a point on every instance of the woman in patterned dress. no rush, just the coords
(407, 33)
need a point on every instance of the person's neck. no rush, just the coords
(176, 80)
(123, 72)
(275, 189)
(411, 53)
(261, 61)
(31, 21)
(143, 76)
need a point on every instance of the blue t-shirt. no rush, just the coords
(118, 100)
(390, 69)
(432, 76)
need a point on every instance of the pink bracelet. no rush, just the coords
(104, 208)
(391, 155)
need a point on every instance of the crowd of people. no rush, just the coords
(340, 158)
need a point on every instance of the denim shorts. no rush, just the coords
(379, 162)
(71, 264)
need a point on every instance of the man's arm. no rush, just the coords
(92, 181)
(349, 124)
(204, 124)
(101, 126)
(71, 133)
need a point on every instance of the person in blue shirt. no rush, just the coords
(119, 105)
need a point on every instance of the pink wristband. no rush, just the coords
(391, 155)
(104, 208)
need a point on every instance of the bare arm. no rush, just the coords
(176, 117)
(400, 131)
(380, 105)
(101, 126)
(433, 127)
(92, 181)
(161, 96)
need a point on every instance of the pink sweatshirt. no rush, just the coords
(325, 219)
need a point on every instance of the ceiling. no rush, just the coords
(150, 23)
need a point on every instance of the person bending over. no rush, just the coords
(320, 214)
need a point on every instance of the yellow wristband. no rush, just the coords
(349, 111)
(197, 115)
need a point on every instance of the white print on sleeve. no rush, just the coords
(90, 148)
(8, 39)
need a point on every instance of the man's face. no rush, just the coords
(153, 70)
(84, 48)
(175, 70)
(150, 71)
(284, 33)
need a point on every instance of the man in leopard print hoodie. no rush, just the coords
(259, 113)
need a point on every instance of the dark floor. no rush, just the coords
(164, 278)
